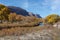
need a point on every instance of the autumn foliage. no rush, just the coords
(12, 23)
(51, 19)
(8, 18)
(4, 12)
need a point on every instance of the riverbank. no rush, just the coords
(31, 33)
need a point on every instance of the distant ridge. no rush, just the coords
(23, 12)
(36, 15)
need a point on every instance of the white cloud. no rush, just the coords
(51, 4)
(55, 5)
(25, 4)
(45, 2)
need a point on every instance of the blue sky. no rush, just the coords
(41, 7)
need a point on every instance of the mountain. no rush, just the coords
(21, 11)
(36, 15)
(18, 10)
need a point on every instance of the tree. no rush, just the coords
(12, 17)
(19, 17)
(59, 19)
(51, 19)
(4, 12)
(2, 6)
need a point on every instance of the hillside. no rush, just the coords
(18, 24)
(16, 15)
(30, 33)
(23, 12)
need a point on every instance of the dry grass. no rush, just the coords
(5, 25)
(18, 30)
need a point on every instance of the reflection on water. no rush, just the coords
(41, 24)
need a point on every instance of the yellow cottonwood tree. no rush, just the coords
(12, 17)
(4, 12)
(53, 18)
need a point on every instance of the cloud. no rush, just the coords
(25, 4)
(53, 4)
(45, 3)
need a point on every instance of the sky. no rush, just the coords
(41, 7)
